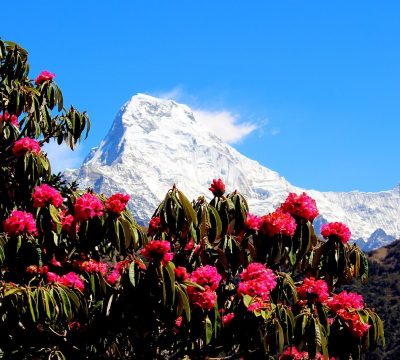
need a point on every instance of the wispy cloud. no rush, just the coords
(225, 125)
(62, 157)
(275, 132)
(175, 93)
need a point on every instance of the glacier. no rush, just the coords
(155, 143)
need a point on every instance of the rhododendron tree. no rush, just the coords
(81, 279)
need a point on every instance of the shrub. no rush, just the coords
(81, 279)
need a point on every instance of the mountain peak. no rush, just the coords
(146, 111)
(155, 143)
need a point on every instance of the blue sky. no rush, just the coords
(318, 82)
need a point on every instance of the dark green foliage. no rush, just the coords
(382, 293)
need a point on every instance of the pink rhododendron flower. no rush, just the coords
(178, 321)
(20, 223)
(353, 322)
(74, 325)
(87, 207)
(13, 119)
(302, 206)
(206, 276)
(113, 277)
(26, 145)
(71, 280)
(154, 225)
(336, 229)
(226, 319)
(278, 222)
(257, 281)
(52, 277)
(189, 245)
(181, 274)
(116, 203)
(44, 194)
(345, 300)
(68, 222)
(158, 250)
(32, 269)
(317, 288)
(44, 269)
(55, 262)
(253, 222)
(44, 76)
(92, 266)
(203, 299)
(291, 353)
(217, 187)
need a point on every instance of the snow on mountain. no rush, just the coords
(155, 143)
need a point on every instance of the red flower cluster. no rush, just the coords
(345, 300)
(116, 203)
(226, 319)
(71, 280)
(87, 207)
(316, 288)
(45, 194)
(253, 222)
(44, 76)
(291, 353)
(115, 275)
(278, 222)
(158, 250)
(74, 325)
(13, 119)
(67, 222)
(257, 282)
(302, 206)
(217, 187)
(92, 266)
(337, 230)
(181, 274)
(202, 299)
(353, 321)
(189, 245)
(178, 321)
(154, 225)
(34, 269)
(26, 145)
(20, 223)
(207, 277)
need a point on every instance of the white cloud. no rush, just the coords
(175, 93)
(62, 157)
(225, 125)
(275, 132)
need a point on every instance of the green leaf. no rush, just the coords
(31, 305)
(66, 303)
(183, 302)
(187, 207)
(55, 216)
(247, 300)
(132, 274)
(171, 273)
(209, 330)
(45, 297)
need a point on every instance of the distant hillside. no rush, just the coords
(383, 293)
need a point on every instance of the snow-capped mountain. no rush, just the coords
(155, 143)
